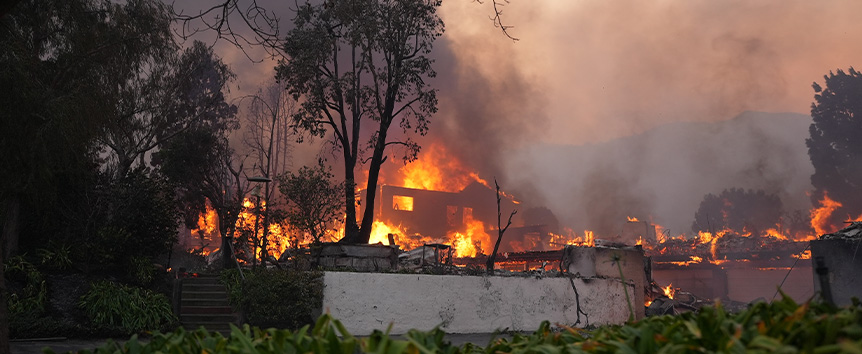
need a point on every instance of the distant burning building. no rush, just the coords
(434, 213)
(472, 211)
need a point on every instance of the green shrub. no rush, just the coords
(276, 298)
(142, 270)
(782, 326)
(31, 300)
(56, 256)
(232, 280)
(128, 309)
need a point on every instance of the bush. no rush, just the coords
(141, 270)
(31, 300)
(276, 298)
(115, 306)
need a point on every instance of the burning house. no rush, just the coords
(471, 212)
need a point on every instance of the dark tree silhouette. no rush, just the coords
(738, 209)
(834, 145)
(54, 101)
(358, 68)
(247, 24)
(202, 166)
(489, 264)
(165, 92)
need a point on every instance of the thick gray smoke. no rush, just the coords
(664, 173)
(584, 113)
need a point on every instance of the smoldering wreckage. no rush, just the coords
(666, 274)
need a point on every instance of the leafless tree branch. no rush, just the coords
(498, 17)
(263, 25)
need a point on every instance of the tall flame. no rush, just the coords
(206, 231)
(437, 170)
(278, 240)
(820, 215)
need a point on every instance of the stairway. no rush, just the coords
(204, 302)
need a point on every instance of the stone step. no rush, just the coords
(190, 310)
(207, 318)
(203, 287)
(205, 302)
(204, 295)
(202, 280)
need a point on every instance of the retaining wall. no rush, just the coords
(470, 304)
(843, 262)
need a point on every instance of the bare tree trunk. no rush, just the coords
(8, 244)
(377, 160)
(500, 230)
(351, 228)
(12, 208)
(226, 239)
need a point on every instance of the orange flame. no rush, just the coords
(437, 170)
(588, 240)
(669, 291)
(466, 243)
(207, 232)
(820, 215)
(632, 219)
(278, 240)
(803, 255)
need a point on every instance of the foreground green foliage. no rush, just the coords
(125, 308)
(779, 327)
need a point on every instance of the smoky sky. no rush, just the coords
(588, 74)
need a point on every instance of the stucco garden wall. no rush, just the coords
(469, 304)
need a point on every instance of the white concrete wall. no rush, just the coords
(468, 304)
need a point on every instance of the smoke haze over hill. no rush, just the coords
(664, 173)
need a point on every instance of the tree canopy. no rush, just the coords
(357, 64)
(314, 202)
(834, 146)
(70, 72)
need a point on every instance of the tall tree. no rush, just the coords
(164, 93)
(53, 99)
(352, 64)
(833, 145)
(267, 137)
(204, 167)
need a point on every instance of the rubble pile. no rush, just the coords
(679, 301)
(852, 232)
